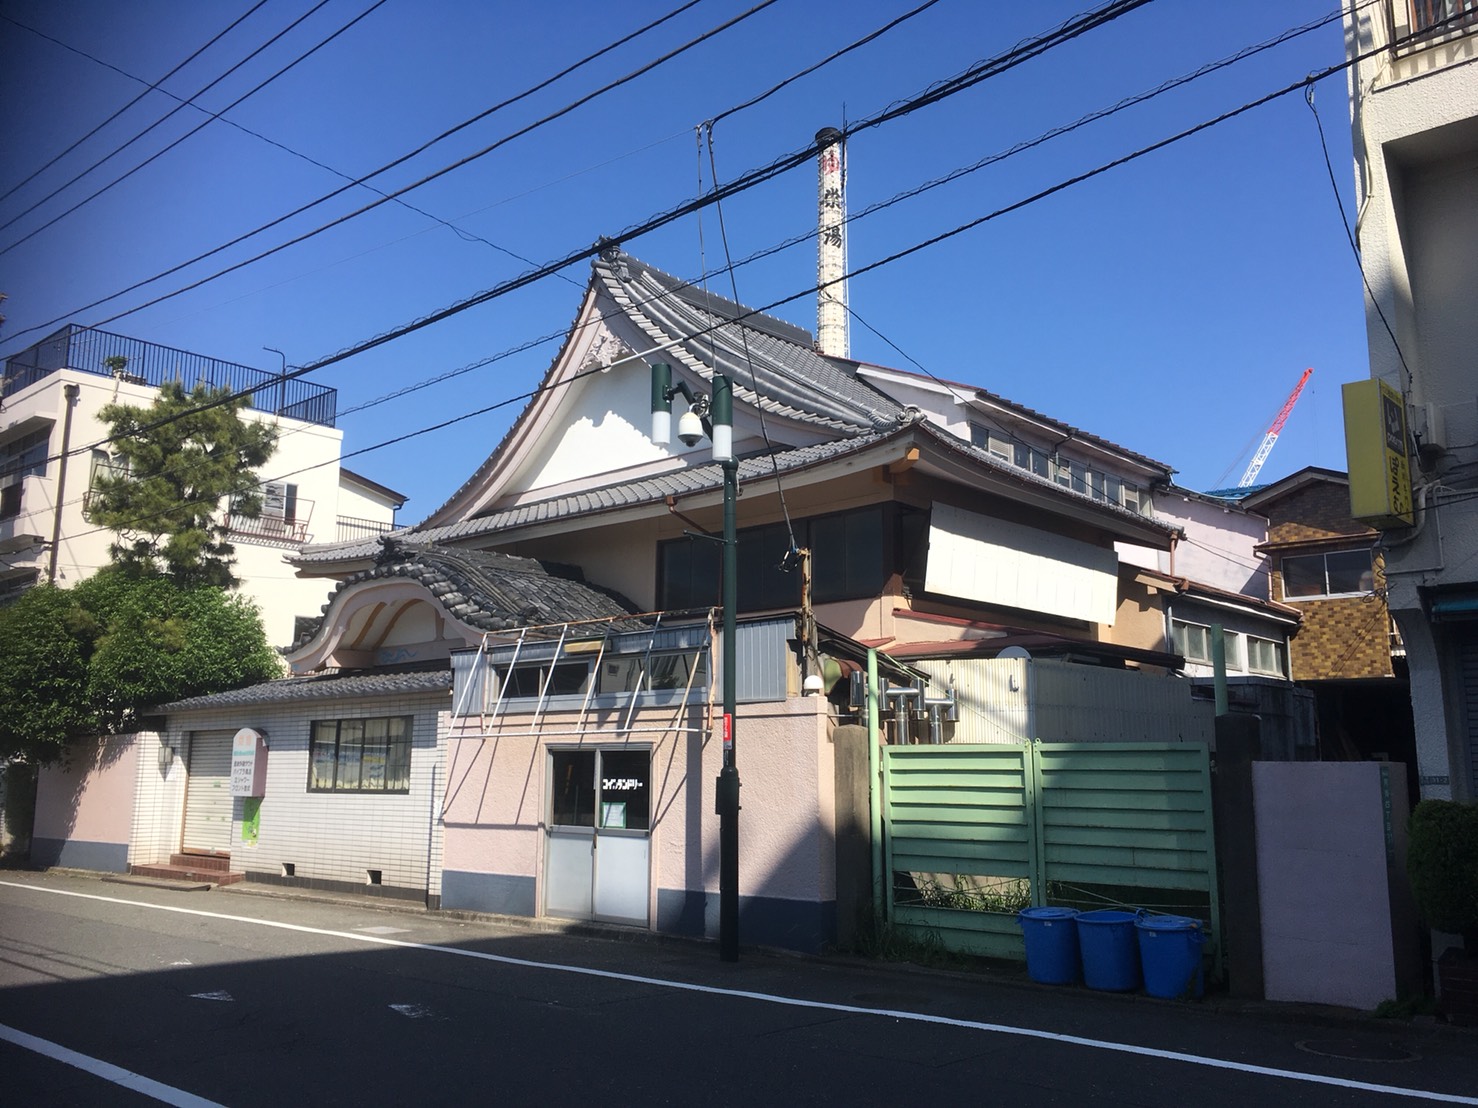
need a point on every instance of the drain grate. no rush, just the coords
(1358, 1050)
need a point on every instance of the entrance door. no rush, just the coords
(597, 863)
(208, 792)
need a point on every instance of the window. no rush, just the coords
(1264, 656)
(280, 501)
(10, 501)
(529, 680)
(847, 556)
(360, 755)
(1340, 573)
(25, 456)
(1192, 641)
(625, 673)
(849, 560)
(1029, 457)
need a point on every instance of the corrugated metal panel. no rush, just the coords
(1076, 703)
(208, 791)
(996, 562)
(992, 697)
(469, 682)
(959, 813)
(1087, 825)
(763, 659)
(1011, 700)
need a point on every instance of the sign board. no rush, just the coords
(1375, 449)
(249, 763)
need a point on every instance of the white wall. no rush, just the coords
(266, 579)
(334, 836)
(1331, 848)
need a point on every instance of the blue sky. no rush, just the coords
(1168, 305)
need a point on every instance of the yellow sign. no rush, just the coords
(1376, 451)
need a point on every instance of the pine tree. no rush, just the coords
(172, 483)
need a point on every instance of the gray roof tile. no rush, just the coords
(321, 686)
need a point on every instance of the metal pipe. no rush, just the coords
(875, 786)
(69, 398)
(726, 791)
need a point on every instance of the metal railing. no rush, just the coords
(145, 363)
(274, 528)
(351, 528)
(1416, 24)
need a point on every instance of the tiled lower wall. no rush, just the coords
(335, 837)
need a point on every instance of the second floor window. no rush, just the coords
(1338, 573)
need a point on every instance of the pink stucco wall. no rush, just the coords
(494, 812)
(86, 802)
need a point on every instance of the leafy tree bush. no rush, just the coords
(1442, 864)
(165, 496)
(43, 669)
(90, 660)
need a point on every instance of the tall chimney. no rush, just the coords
(831, 246)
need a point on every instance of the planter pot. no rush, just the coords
(1457, 982)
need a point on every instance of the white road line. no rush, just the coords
(168, 1094)
(793, 1002)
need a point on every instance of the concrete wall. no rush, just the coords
(1337, 925)
(1414, 117)
(496, 811)
(84, 808)
(335, 838)
(267, 580)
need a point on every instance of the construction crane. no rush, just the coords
(1255, 466)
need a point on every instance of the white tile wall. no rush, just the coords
(337, 836)
(159, 803)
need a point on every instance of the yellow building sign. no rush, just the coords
(1375, 447)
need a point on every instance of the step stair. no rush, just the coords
(192, 865)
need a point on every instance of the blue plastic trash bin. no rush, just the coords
(1110, 954)
(1170, 950)
(1051, 944)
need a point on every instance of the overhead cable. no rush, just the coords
(148, 86)
(188, 134)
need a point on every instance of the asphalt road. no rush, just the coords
(120, 995)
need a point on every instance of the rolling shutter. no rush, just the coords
(208, 792)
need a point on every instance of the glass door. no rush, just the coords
(597, 862)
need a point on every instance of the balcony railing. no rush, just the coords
(350, 529)
(291, 530)
(145, 363)
(1416, 24)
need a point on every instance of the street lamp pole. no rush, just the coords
(726, 789)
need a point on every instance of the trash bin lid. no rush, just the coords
(1047, 913)
(1169, 923)
(1108, 916)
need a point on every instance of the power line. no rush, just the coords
(970, 77)
(188, 134)
(465, 235)
(148, 86)
(739, 318)
(747, 181)
(401, 160)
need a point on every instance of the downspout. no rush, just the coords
(69, 395)
(875, 786)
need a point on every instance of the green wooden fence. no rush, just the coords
(973, 833)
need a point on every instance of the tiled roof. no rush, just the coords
(323, 686)
(707, 478)
(771, 363)
(487, 590)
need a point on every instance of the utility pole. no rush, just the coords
(691, 427)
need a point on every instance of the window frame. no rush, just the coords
(405, 744)
(1323, 558)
